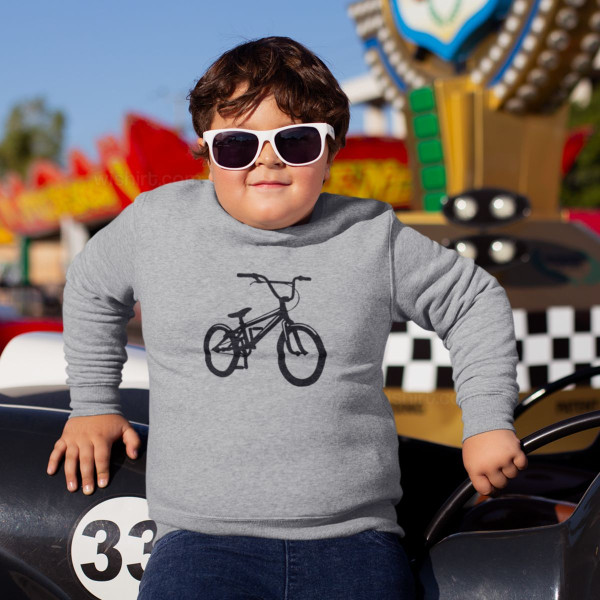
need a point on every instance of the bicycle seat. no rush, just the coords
(240, 313)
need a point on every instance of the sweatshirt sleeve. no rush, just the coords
(98, 302)
(442, 291)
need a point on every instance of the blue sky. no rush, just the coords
(98, 60)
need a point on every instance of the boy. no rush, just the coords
(274, 473)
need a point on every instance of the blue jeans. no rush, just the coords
(185, 565)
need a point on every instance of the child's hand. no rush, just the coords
(88, 440)
(492, 458)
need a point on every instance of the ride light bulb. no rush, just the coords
(466, 249)
(503, 207)
(465, 208)
(502, 251)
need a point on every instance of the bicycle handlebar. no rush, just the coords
(262, 279)
(258, 277)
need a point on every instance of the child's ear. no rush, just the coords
(210, 177)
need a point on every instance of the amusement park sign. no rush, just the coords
(444, 26)
(150, 155)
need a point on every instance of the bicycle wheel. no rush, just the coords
(219, 350)
(301, 361)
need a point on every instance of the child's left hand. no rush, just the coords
(492, 458)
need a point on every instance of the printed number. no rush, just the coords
(138, 530)
(113, 556)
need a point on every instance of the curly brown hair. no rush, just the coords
(303, 87)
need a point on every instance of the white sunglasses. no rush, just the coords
(296, 145)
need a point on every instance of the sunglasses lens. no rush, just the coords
(299, 145)
(234, 150)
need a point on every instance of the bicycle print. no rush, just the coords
(300, 351)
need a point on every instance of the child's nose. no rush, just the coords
(267, 156)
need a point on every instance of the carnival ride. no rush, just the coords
(483, 86)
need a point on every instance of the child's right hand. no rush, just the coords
(88, 441)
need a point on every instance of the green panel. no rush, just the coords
(434, 178)
(430, 151)
(426, 126)
(433, 202)
(421, 100)
(25, 243)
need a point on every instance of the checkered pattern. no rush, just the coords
(551, 344)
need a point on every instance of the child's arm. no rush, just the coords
(442, 291)
(98, 303)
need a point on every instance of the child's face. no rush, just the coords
(269, 194)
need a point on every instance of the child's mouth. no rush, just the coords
(269, 184)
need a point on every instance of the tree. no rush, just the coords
(581, 185)
(31, 131)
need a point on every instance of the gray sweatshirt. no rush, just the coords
(279, 428)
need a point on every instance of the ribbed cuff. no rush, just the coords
(486, 413)
(87, 401)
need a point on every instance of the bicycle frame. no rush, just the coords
(243, 340)
(251, 340)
